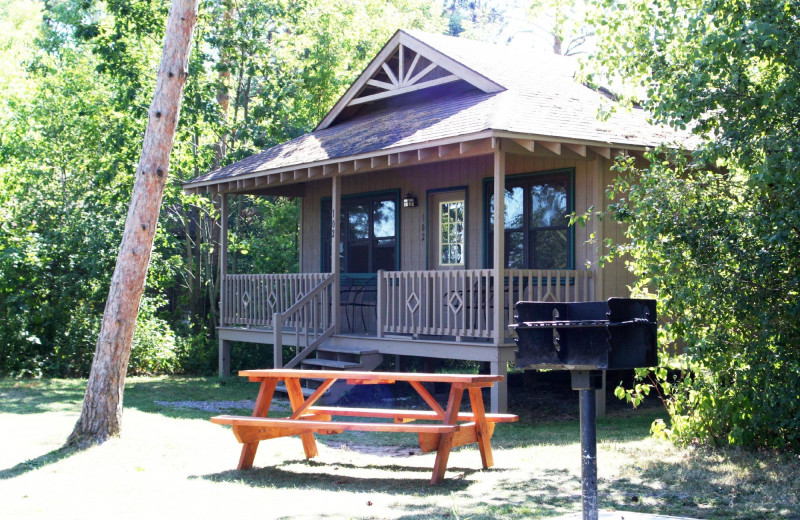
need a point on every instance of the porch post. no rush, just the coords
(499, 391)
(379, 311)
(600, 398)
(499, 244)
(598, 292)
(224, 358)
(336, 203)
(224, 346)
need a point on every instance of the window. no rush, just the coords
(451, 234)
(369, 234)
(537, 235)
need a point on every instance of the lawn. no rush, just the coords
(171, 462)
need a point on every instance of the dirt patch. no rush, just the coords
(381, 451)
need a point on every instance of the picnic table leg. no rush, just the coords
(261, 409)
(296, 398)
(484, 440)
(446, 439)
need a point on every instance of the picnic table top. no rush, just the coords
(280, 373)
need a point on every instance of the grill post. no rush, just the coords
(587, 382)
(587, 338)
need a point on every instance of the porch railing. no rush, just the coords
(253, 299)
(438, 303)
(309, 320)
(548, 285)
(460, 303)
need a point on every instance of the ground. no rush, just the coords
(171, 461)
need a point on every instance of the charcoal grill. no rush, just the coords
(587, 338)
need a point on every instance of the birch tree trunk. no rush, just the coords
(101, 415)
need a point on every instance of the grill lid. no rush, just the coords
(619, 333)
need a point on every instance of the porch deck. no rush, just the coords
(434, 314)
(458, 304)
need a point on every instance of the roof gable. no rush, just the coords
(404, 65)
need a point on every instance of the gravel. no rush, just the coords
(220, 406)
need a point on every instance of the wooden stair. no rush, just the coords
(336, 358)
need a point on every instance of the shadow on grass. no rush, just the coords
(550, 493)
(541, 497)
(702, 486)
(41, 461)
(31, 397)
(324, 476)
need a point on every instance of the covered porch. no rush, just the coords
(460, 311)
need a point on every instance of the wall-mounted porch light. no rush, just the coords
(409, 201)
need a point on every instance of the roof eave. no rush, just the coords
(455, 147)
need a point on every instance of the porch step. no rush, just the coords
(329, 364)
(348, 350)
(281, 388)
(336, 357)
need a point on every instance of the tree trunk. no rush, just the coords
(101, 414)
(557, 44)
(223, 97)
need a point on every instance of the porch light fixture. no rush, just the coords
(409, 201)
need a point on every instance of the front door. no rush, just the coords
(447, 221)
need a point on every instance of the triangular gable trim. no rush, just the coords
(406, 78)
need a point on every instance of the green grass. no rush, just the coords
(173, 462)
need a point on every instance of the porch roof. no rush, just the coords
(539, 99)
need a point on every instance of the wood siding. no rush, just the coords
(469, 173)
(616, 277)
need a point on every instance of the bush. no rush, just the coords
(727, 288)
(197, 354)
(153, 350)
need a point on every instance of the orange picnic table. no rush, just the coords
(445, 428)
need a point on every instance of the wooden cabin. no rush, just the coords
(401, 176)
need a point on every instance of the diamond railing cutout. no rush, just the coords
(272, 299)
(246, 298)
(455, 303)
(412, 302)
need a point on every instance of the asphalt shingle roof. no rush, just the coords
(541, 99)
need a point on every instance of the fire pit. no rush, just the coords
(587, 338)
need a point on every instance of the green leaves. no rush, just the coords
(77, 79)
(720, 246)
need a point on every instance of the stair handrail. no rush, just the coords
(302, 325)
(309, 349)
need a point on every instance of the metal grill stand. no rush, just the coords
(587, 338)
(587, 382)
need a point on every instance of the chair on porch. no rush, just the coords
(366, 297)
(347, 297)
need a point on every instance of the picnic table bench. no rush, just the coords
(449, 427)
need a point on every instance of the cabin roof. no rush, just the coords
(491, 90)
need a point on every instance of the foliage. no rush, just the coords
(153, 346)
(475, 19)
(256, 243)
(78, 80)
(195, 354)
(567, 24)
(716, 235)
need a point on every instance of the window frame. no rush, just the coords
(526, 180)
(354, 199)
(463, 242)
